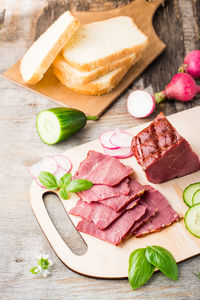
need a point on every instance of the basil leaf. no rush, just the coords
(63, 193)
(48, 180)
(34, 270)
(79, 185)
(65, 180)
(198, 275)
(163, 260)
(140, 270)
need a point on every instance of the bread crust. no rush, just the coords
(67, 71)
(94, 88)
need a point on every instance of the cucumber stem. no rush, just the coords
(92, 118)
(159, 97)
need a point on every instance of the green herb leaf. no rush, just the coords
(48, 180)
(44, 263)
(79, 185)
(65, 180)
(63, 194)
(140, 270)
(34, 270)
(198, 275)
(163, 260)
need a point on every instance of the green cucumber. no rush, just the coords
(189, 192)
(57, 124)
(192, 220)
(196, 197)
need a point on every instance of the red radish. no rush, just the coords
(119, 153)
(59, 173)
(105, 139)
(39, 183)
(121, 139)
(140, 104)
(63, 162)
(191, 64)
(182, 87)
(47, 164)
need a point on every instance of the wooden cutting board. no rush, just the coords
(103, 259)
(142, 12)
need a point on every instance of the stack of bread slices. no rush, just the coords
(89, 59)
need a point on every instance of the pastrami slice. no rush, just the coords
(164, 216)
(150, 212)
(98, 167)
(116, 232)
(118, 203)
(99, 192)
(101, 215)
(162, 152)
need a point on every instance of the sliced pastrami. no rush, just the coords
(101, 215)
(163, 153)
(99, 192)
(102, 169)
(117, 230)
(118, 203)
(164, 217)
(150, 212)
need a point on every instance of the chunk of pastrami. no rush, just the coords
(163, 153)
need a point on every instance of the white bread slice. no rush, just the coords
(96, 44)
(44, 50)
(99, 86)
(74, 75)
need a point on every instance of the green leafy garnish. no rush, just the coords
(143, 261)
(34, 270)
(198, 275)
(163, 260)
(44, 263)
(63, 194)
(140, 270)
(65, 180)
(65, 184)
(78, 185)
(48, 180)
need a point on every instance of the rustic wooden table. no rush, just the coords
(21, 22)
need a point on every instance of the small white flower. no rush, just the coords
(46, 273)
(44, 263)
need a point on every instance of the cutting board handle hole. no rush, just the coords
(63, 224)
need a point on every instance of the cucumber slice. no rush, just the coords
(196, 197)
(56, 124)
(192, 220)
(189, 192)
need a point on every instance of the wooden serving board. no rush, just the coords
(142, 12)
(103, 259)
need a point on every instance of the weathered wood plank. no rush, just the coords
(21, 147)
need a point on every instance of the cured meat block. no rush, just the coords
(100, 192)
(117, 230)
(164, 217)
(102, 169)
(163, 153)
(118, 203)
(101, 215)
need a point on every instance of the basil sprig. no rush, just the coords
(140, 270)
(65, 184)
(143, 261)
(163, 260)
